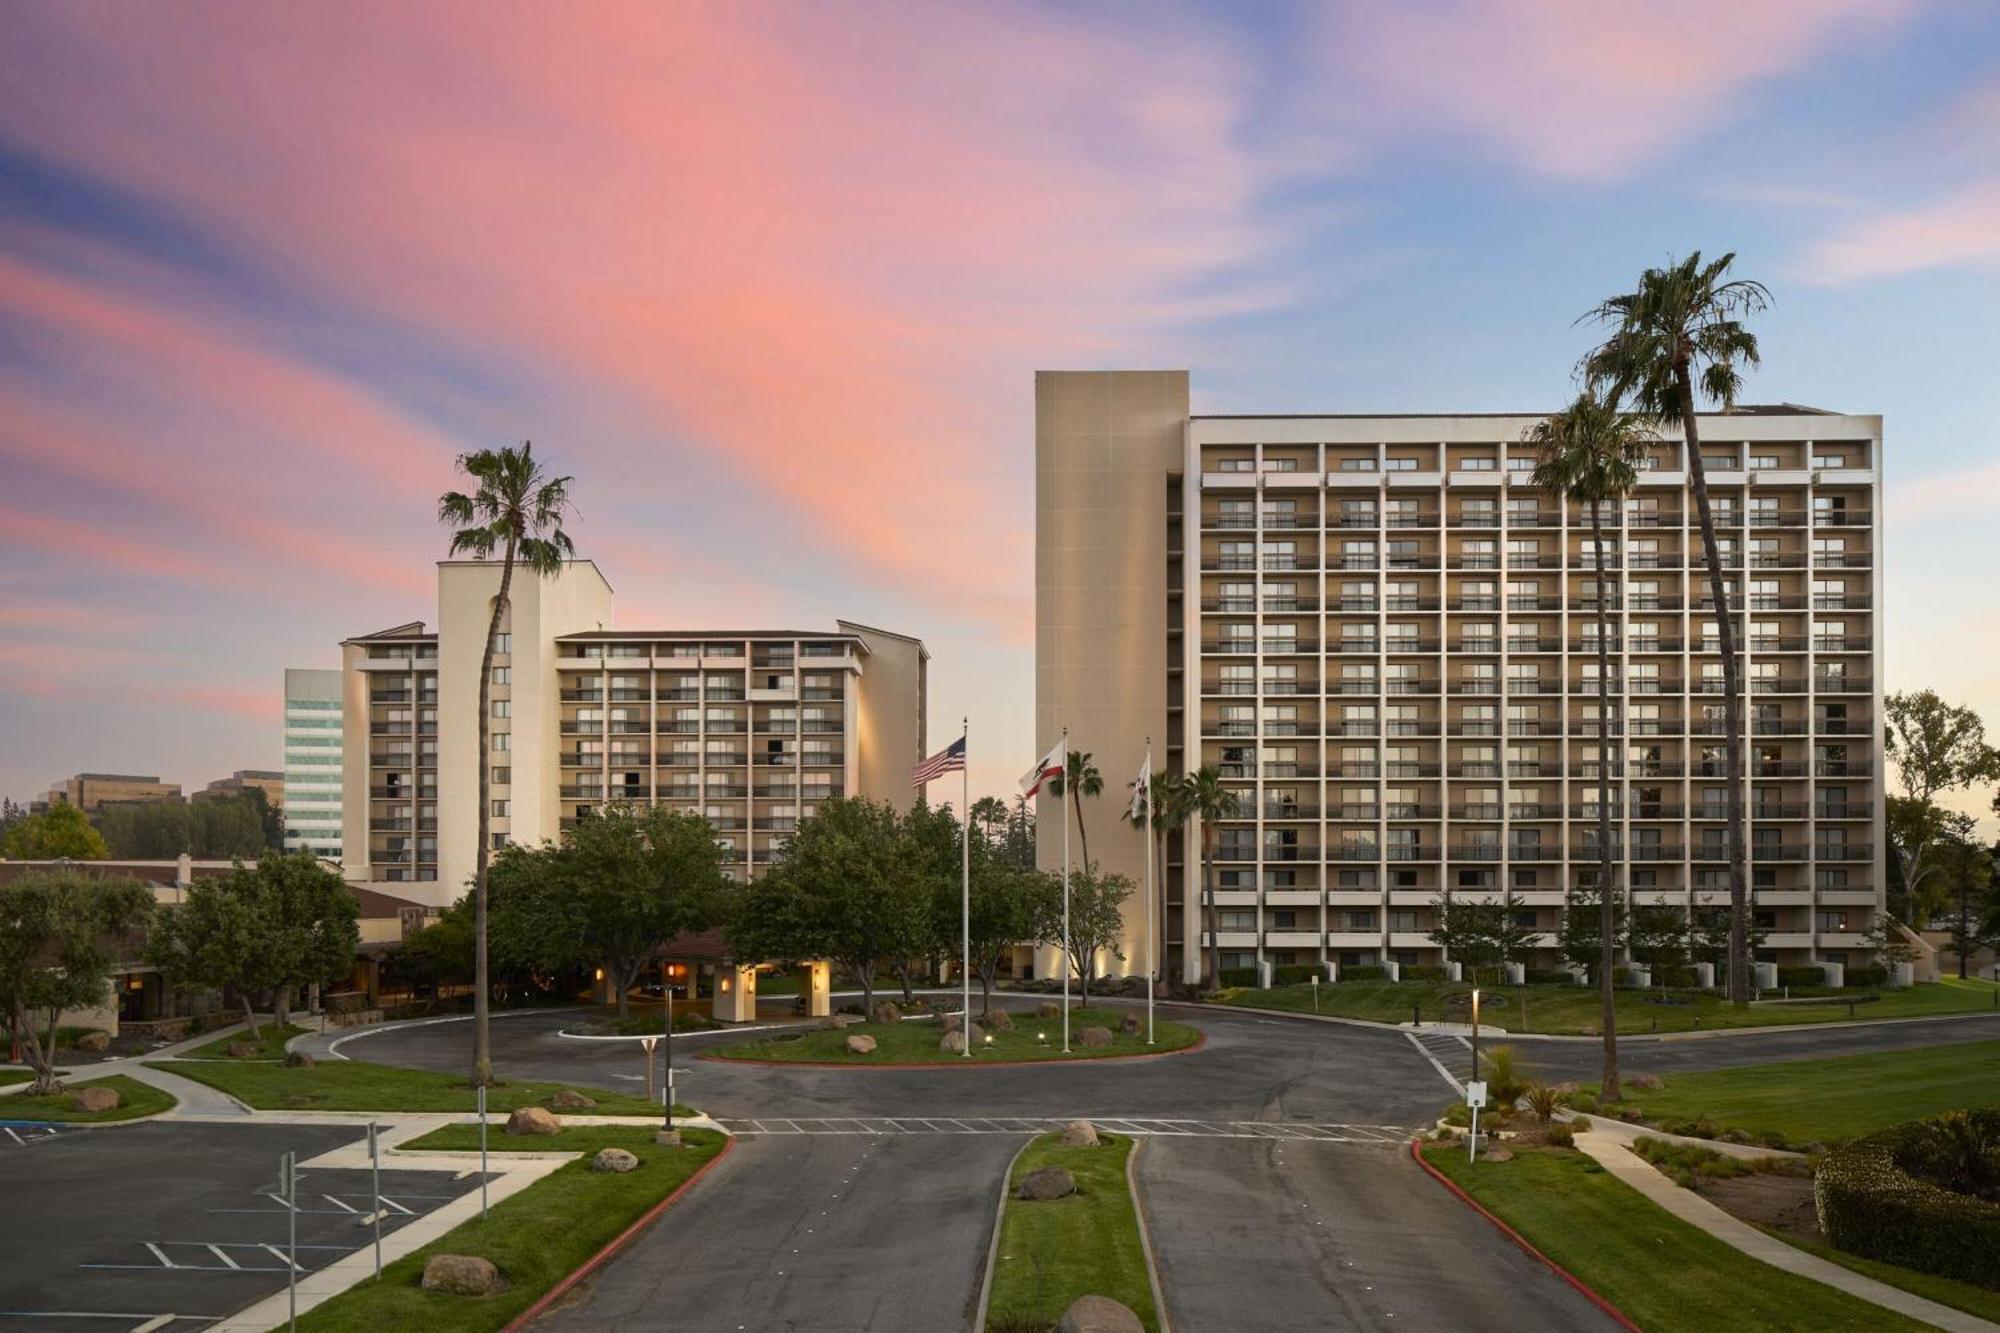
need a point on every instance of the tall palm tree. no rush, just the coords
(1685, 322)
(515, 509)
(1166, 802)
(1589, 454)
(989, 813)
(1204, 797)
(1079, 779)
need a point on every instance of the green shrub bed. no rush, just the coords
(1923, 1195)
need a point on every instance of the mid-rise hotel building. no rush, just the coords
(750, 727)
(313, 751)
(1382, 634)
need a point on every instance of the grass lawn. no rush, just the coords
(916, 1041)
(1832, 1099)
(1945, 1291)
(1054, 1251)
(1573, 1010)
(135, 1099)
(270, 1043)
(536, 1238)
(353, 1085)
(11, 1076)
(1667, 1276)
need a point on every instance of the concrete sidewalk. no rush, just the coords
(1609, 1151)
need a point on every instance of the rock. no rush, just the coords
(1094, 1036)
(954, 1042)
(1048, 1009)
(1497, 1155)
(614, 1159)
(998, 1020)
(1049, 1182)
(1098, 1314)
(97, 1043)
(860, 1043)
(1080, 1134)
(533, 1120)
(461, 1275)
(298, 1060)
(666, 1138)
(1565, 1089)
(885, 1011)
(1644, 1082)
(569, 1099)
(844, 1020)
(1129, 1025)
(240, 1050)
(94, 1100)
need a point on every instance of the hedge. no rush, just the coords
(1365, 972)
(1870, 1203)
(1873, 975)
(1414, 973)
(1801, 976)
(1239, 976)
(1548, 976)
(1295, 974)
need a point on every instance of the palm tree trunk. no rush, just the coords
(1159, 965)
(1606, 917)
(482, 856)
(1208, 904)
(1732, 701)
(1082, 836)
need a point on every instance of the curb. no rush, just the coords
(1619, 1316)
(617, 1243)
(1145, 1232)
(1201, 1040)
(993, 1244)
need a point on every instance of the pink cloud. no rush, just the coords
(1962, 228)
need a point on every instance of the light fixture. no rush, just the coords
(989, 1039)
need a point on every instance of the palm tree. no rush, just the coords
(1079, 779)
(1686, 321)
(1590, 453)
(1204, 797)
(516, 509)
(989, 813)
(1166, 803)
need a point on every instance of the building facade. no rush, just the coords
(749, 727)
(88, 791)
(267, 781)
(313, 762)
(1382, 635)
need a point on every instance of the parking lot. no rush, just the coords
(172, 1226)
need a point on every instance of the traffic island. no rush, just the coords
(1069, 1230)
(93, 1102)
(1095, 1034)
(353, 1085)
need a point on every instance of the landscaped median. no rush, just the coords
(1663, 1274)
(1025, 1037)
(353, 1085)
(536, 1238)
(1574, 1010)
(1056, 1246)
(135, 1099)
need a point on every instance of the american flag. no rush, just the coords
(951, 759)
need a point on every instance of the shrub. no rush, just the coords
(1582, 1101)
(1548, 976)
(1560, 1135)
(1873, 975)
(1239, 976)
(1426, 974)
(1366, 972)
(1876, 1197)
(1681, 978)
(1506, 1077)
(1295, 974)
(1686, 1163)
(1801, 976)
(1543, 1100)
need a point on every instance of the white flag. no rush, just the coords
(1142, 789)
(1051, 766)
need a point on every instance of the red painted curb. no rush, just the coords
(960, 1062)
(618, 1242)
(1624, 1320)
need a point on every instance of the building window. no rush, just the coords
(500, 741)
(500, 809)
(503, 708)
(502, 776)
(503, 675)
(503, 642)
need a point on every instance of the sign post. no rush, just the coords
(375, 1170)
(482, 1152)
(1475, 1097)
(1314, 979)
(288, 1190)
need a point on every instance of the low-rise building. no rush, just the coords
(243, 780)
(88, 791)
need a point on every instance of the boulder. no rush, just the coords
(1098, 1314)
(569, 1099)
(885, 1011)
(1048, 1009)
(953, 1042)
(1644, 1082)
(527, 1120)
(461, 1275)
(1094, 1037)
(860, 1043)
(1497, 1155)
(298, 1060)
(97, 1043)
(998, 1020)
(614, 1159)
(241, 1050)
(1080, 1134)
(94, 1100)
(1129, 1025)
(844, 1020)
(1049, 1182)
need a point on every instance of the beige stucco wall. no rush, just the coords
(1105, 444)
(888, 731)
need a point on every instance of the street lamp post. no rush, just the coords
(668, 1137)
(1475, 1034)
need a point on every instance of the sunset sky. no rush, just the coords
(771, 281)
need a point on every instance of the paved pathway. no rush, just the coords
(1690, 1207)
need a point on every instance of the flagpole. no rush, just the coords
(1068, 957)
(965, 884)
(1146, 831)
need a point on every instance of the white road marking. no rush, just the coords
(157, 1322)
(161, 1255)
(338, 1204)
(1443, 1073)
(279, 1255)
(216, 1250)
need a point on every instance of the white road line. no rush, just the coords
(278, 1199)
(153, 1325)
(398, 1207)
(338, 1204)
(1443, 1073)
(279, 1255)
(16, 1137)
(161, 1255)
(216, 1250)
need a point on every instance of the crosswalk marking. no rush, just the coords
(1137, 1126)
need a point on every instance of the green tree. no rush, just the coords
(60, 932)
(516, 509)
(930, 837)
(1937, 748)
(989, 816)
(1203, 797)
(1581, 937)
(843, 888)
(1008, 904)
(1708, 937)
(12, 813)
(1096, 922)
(1589, 455)
(282, 925)
(1515, 936)
(1661, 939)
(1683, 323)
(1468, 930)
(1964, 869)
(60, 832)
(1018, 843)
(439, 954)
(147, 830)
(1078, 779)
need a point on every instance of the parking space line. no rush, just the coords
(217, 1251)
(161, 1255)
(153, 1325)
(279, 1255)
(338, 1204)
